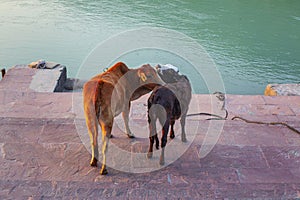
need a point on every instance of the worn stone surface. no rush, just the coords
(23, 78)
(43, 152)
(49, 80)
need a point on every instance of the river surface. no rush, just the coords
(252, 43)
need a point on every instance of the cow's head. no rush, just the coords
(168, 73)
(149, 77)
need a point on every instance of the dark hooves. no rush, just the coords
(103, 171)
(157, 146)
(130, 136)
(93, 162)
(172, 136)
(183, 139)
(161, 162)
(149, 155)
(111, 136)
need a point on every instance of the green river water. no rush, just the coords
(252, 42)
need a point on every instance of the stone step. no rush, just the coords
(23, 78)
(48, 160)
(45, 149)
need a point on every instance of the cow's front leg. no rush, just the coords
(125, 115)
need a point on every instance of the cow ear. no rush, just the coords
(142, 76)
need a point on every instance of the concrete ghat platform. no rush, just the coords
(43, 156)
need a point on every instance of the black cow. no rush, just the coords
(168, 103)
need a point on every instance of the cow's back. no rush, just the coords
(113, 74)
(103, 88)
(183, 91)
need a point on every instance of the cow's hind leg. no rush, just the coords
(156, 142)
(106, 128)
(92, 126)
(152, 135)
(164, 137)
(182, 121)
(150, 151)
(172, 133)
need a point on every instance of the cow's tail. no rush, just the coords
(176, 109)
(96, 97)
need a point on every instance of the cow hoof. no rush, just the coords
(157, 146)
(184, 139)
(149, 155)
(172, 136)
(130, 135)
(111, 136)
(93, 162)
(161, 162)
(103, 171)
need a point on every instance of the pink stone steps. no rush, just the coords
(42, 137)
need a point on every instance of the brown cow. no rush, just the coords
(107, 95)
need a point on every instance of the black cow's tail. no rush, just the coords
(176, 108)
